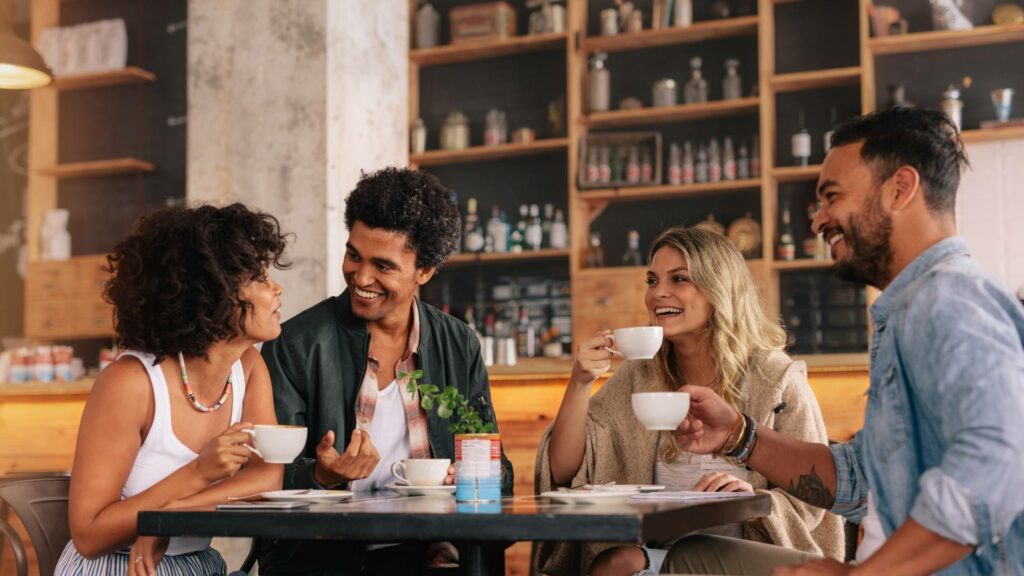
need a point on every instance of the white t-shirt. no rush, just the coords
(874, 535)
(687, 469)
(390, 435)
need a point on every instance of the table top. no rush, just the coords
(385, 517)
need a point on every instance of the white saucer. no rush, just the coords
(406, 490)
(635, 487)
(590, 496)
(311, 496)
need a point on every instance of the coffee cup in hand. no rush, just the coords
(421, 471)
(277, 443)
(639, 343)
(661, 410)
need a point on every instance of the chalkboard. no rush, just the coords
(13, 182)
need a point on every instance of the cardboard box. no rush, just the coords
(482, 22)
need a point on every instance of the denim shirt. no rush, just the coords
(943, 436)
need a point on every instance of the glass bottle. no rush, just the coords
(728, 160)
(546, 222)
(559, 232)
(526, 335)
(534, 230)
(683, 16)
(428, 26)
(633, 166)
(591, 175)
(600, 83)
(743, 164)
(755, 158)
(595, 253)
(473, 234)
(632, 255)
(801, 143)
(497, 231)
(604, 167)
(732, 84)
(675, 168)
(714, 162)
(701, 168)
(787, 247)
(689, 174)
(646, 169)
(696, 90)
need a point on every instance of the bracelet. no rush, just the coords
(733, 441)
(741, 457)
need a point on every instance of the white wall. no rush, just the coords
(990, 209)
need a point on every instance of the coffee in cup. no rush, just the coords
(277, 443)
(421, 471)
(661, 410)
(639, 343)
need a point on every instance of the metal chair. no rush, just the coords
(42, 506)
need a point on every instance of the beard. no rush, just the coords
(869, 259)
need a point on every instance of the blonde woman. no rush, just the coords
(700, 292)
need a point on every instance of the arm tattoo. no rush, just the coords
(812, 490)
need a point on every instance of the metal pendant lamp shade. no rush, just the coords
(21, 67)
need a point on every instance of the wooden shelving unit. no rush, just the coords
(814, 79)
(668, 191)
(485, 153)
(801, 264)
(453, 53)
(990, 134)
(698, 32)
(796, 173)
(129, 75)
(98, 168)
(498, 258)
(679, 113)
(946, 39)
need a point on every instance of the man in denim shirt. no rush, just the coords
(942, 449)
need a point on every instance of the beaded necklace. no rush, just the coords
(191, 395)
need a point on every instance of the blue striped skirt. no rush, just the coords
(203, 563)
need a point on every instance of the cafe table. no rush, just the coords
(481, 531)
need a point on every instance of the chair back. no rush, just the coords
(42, 507)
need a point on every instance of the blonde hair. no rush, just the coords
(739, 326)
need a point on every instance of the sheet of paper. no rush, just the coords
(688, 495)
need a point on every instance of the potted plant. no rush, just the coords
(477, 444)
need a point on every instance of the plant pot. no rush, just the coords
(477, 467)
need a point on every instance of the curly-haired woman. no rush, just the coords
(164, 426)
(701, 293)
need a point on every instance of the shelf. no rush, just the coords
(698, 32)
(98, 168)
(668, 191)
(34, 389)
(483, 153)
(843, 362)
(627, 271)
(497, 258)
(990, 134)
(129, 75)
(816, 79)
(802, 264)
(531, 369)
(668, 114)
(946, 39)
(453, 53)
(796, 173)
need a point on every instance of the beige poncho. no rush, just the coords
(619, 449)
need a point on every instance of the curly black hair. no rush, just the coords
(175, 280)
(412, 202)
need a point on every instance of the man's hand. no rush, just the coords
(708, 424)
(815, 567)
(358, 461)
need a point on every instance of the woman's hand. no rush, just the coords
(225, 454)
(592, 359)
(721, 482)
(449, 478)
(146, 554)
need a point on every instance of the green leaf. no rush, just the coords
(417, 374)
(444, 411)
(426, 402)
(490, 427)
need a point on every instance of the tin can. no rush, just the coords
(477, 467)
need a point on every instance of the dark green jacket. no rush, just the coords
(317, 366)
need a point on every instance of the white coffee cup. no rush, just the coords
(661, 410)
(639, 343)
(277, 443)
(421, 471)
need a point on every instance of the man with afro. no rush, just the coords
(336, 369)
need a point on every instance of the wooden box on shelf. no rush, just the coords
(607, 298)
(482, 22)
(620, 144)
(65, 299)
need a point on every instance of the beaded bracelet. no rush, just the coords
(741, 457)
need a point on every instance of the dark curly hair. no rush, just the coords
(905, 136)
(412, 202)
(175, 280)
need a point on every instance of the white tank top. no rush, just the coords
(162, 453)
